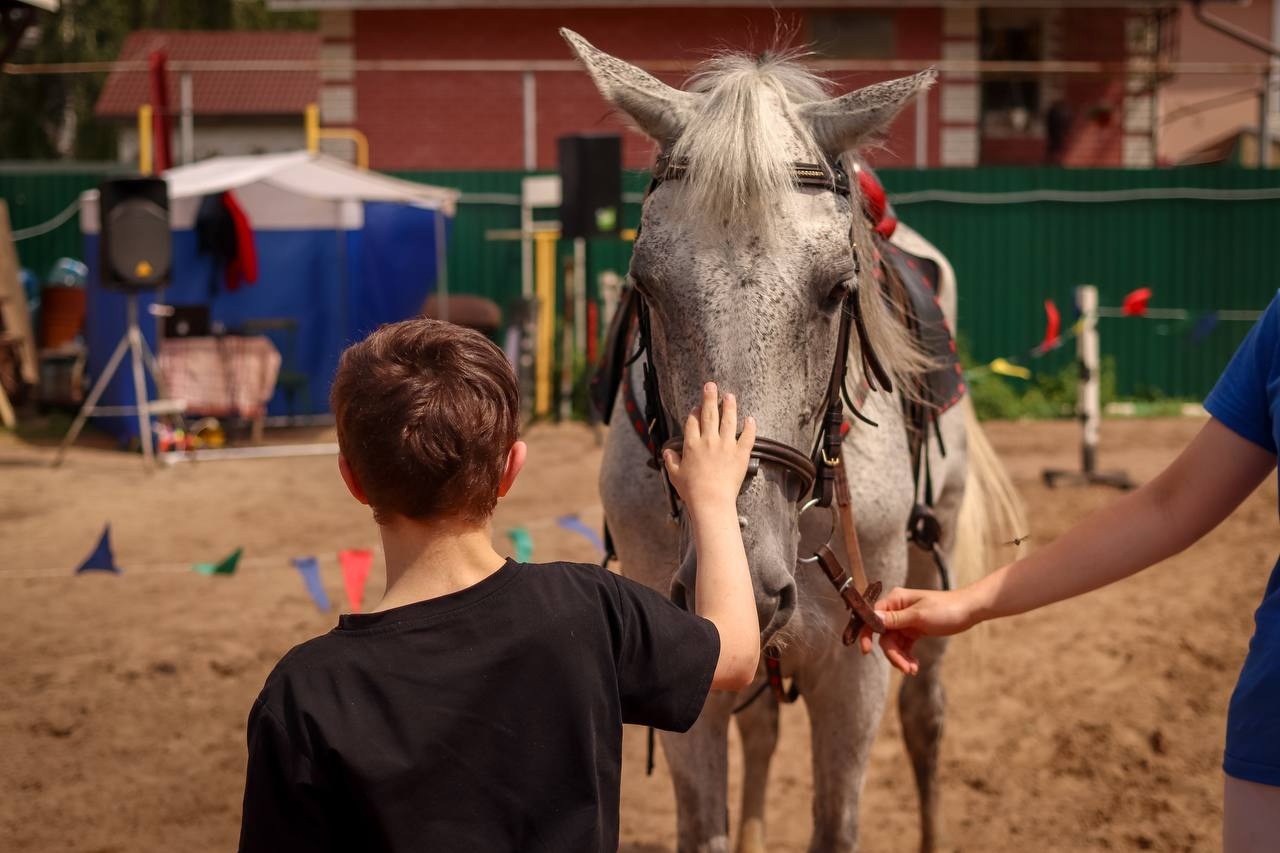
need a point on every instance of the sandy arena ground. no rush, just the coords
(1094, 725)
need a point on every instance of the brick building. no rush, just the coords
(486, 84)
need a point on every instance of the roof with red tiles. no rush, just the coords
(221, 93)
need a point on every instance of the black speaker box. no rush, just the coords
(590, 185)
(136, 246)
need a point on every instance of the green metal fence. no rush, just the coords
(1010, 252)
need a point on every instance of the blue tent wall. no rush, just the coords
(338, 285)
(398, 265)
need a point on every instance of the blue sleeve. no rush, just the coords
(1242, 398)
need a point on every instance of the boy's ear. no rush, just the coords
(349, 477)
(515, 461)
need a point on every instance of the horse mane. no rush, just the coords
(740, 174)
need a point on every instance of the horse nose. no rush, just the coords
(775, 610)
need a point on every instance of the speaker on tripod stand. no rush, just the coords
(136, 254)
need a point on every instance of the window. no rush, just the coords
(1011, 105)
(853, 35)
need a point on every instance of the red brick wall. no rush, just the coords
(474, 120)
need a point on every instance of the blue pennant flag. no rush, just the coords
(576, 525)
(1205, 324)
(101, 560)
(310, 570)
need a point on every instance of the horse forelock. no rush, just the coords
(743, 138)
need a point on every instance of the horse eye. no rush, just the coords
(836, 296)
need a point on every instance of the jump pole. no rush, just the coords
(1088, 403)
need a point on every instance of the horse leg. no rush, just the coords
(922, 705)
(758, 725)
(845, 697)
(699, 763)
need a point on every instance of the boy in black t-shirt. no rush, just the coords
(480, 706)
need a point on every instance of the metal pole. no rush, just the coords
(442, 266)
(1088, 392)
(188, 131)
(922, 130)
(144, 139)
(580, 296)
(530, 121)
(1264, 122)
(139, 381)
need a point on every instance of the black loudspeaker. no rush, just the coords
(136, 247)
(590, 185)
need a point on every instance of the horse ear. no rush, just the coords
(658, 109)
(841, 124)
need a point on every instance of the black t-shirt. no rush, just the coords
(485, 720)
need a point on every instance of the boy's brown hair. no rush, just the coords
(426, 413)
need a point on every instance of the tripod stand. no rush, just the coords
(141, 358)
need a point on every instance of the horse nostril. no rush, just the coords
(773, 620)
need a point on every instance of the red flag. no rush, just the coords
(355, 571)
(1052, 326)
(157, 65)
(1135, 304)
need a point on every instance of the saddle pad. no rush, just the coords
(942, 385)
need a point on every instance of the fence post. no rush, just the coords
(1088, 402)
(1088, 391)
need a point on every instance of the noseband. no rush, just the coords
(815, 470)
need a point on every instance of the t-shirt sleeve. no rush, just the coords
(666, 659)
(1241, 399)
(283, 804)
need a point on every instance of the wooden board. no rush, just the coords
(13, 302)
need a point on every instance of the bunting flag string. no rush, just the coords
(355, 565)
(522, 542)
(574, 524)
(100, 559)
(309, 568)
(227, 566)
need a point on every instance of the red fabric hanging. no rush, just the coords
(157, 71)
(244, 266)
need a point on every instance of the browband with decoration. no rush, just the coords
(833, 177)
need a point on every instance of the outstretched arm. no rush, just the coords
(708, 477)
(1208, 480)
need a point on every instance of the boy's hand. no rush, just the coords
(710, 470)
(909, 614)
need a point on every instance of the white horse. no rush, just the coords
(743, 272)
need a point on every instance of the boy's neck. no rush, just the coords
(428, 559)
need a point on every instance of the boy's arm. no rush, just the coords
(283, 807)
(708, 476)
(1207, 481)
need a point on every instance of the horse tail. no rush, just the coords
(991, 511)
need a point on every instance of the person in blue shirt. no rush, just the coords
(1223, 464)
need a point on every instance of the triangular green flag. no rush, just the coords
(226, 567)
(522, 542)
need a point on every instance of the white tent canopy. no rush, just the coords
(293, 190)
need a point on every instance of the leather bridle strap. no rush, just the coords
(775, 452)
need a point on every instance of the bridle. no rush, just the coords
(815, 470)
(821, 472)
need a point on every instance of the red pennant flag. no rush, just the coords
(1135, 304)
(1052, 326)
(355, 571)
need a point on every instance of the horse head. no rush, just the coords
(745, 272)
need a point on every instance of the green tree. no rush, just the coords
(50, 116)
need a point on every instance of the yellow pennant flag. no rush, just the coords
(1007, 368)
